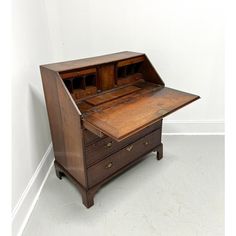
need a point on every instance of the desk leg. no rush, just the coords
(87, 194)
(159, 152)
(87, 197)
(59, 174)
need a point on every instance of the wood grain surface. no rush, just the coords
(97, 100)
(123, 119)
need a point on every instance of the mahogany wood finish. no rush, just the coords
(143, 110)
(96, 151)
(106, 72)
(111, 164)
(105, 115)
(112, 95)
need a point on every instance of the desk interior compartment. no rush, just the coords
(81, 83)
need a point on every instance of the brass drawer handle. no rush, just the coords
(129, 148)
(109, 165)
(108, 145)
(146, 143)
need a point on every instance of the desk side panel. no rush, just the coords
(54, 113)
(73, 138)
(65, 124)
(149, 72)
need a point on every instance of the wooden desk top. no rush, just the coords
(92, 61)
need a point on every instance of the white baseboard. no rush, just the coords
(182, 127)
(25, 205)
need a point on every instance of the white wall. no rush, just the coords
(37, 39)
(183, 39)
(31, 46)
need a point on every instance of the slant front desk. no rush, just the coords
(105, 114)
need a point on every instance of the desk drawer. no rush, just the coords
(113, 163)
(89, 137)
(106, 146)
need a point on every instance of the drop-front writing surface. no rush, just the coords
(126, 115)
(105, 114)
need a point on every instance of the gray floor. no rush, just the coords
(181, 195)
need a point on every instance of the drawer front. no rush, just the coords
(106, 146)
(113, 163)
(89, 137)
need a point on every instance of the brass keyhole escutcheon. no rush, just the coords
(129, 148)
(109, 144)
(109, 165)
(146, 143)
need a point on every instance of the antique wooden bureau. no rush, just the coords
(105, 114)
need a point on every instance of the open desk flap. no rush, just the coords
(127, 115)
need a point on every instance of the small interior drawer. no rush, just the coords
(102, 148)
(74, 74)
(130, 61)
(113, 163)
